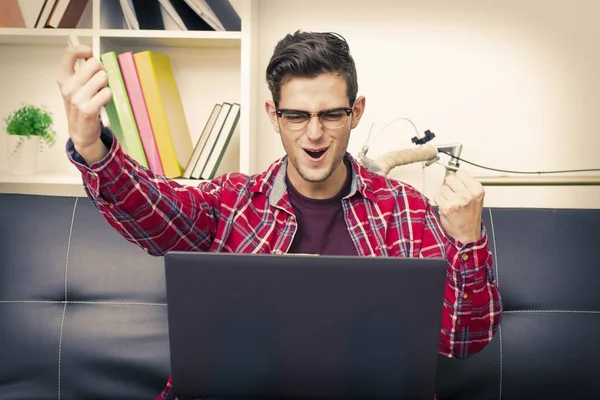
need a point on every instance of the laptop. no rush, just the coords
(262, 326)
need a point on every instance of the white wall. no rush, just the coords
(517, 82)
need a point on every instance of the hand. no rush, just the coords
(460, 202)
(84, 93)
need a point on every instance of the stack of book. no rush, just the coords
(147, 117)
(204, 15)
(41, 13)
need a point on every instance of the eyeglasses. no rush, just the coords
(331, 119)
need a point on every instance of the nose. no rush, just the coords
(314, 130)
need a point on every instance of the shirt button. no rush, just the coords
(293, 218)
(465, 296)
(278, 252)
(465, 257)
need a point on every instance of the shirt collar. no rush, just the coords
(272, 184)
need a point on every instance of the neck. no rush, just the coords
(319, 190)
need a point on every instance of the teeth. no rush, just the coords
(315, 154)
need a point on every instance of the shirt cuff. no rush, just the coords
(99, 173)
(471, 259)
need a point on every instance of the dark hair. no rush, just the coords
(307, 55)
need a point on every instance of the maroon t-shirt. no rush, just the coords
(321, 226)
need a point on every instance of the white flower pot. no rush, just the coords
(24, 160)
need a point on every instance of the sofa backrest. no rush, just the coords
(83, 311)
(547, 265)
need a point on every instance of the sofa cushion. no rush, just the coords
(83, 311)
(548, 271)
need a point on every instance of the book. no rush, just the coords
(140, 111)
(223, 139)
(184, 16)
(10, 14)
(211, 139)
(45, 12)
(148, 14)
(202, 141)
(119, 111)
(226, 14)
(66, 14)
(166, 112)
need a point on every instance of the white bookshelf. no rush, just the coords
(491, 75)
(209, 66)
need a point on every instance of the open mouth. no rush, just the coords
(316, 154)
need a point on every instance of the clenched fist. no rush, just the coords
(460, 202)
(84, 93)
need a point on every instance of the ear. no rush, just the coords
(359, 108)
(272, 114)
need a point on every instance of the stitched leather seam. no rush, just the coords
(495, 248)
(501, 361)
(62, 321)
(109, 303)
(553, 311)
(498, 285)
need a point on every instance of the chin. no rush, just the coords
(315, 176)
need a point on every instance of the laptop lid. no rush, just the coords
(303, 327)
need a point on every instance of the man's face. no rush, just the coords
(315, 151)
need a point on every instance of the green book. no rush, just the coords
(119, 111)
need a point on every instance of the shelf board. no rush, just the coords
(534, 180)
(126, 37)
(43, 36)
(69, 179)
(172, 38)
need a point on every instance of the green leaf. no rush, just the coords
(30, 120)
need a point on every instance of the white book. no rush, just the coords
(210, 142)
(31, 10)
(129, 14)
(216, 155)
(169, 15)
(204, 11)
(44, 13)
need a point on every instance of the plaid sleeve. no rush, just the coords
(154, 212)
(472, 302)
(167, 392)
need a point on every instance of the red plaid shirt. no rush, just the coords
(253, 214)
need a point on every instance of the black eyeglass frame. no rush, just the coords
(319, 114)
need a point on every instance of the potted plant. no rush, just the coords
(29, 129)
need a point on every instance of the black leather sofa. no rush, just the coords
(83, 313)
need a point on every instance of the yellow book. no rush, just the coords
(166, 112)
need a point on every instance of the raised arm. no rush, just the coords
(153, 212)
(472, 301)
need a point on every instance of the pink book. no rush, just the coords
(140, 112)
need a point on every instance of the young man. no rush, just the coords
(316, 199)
